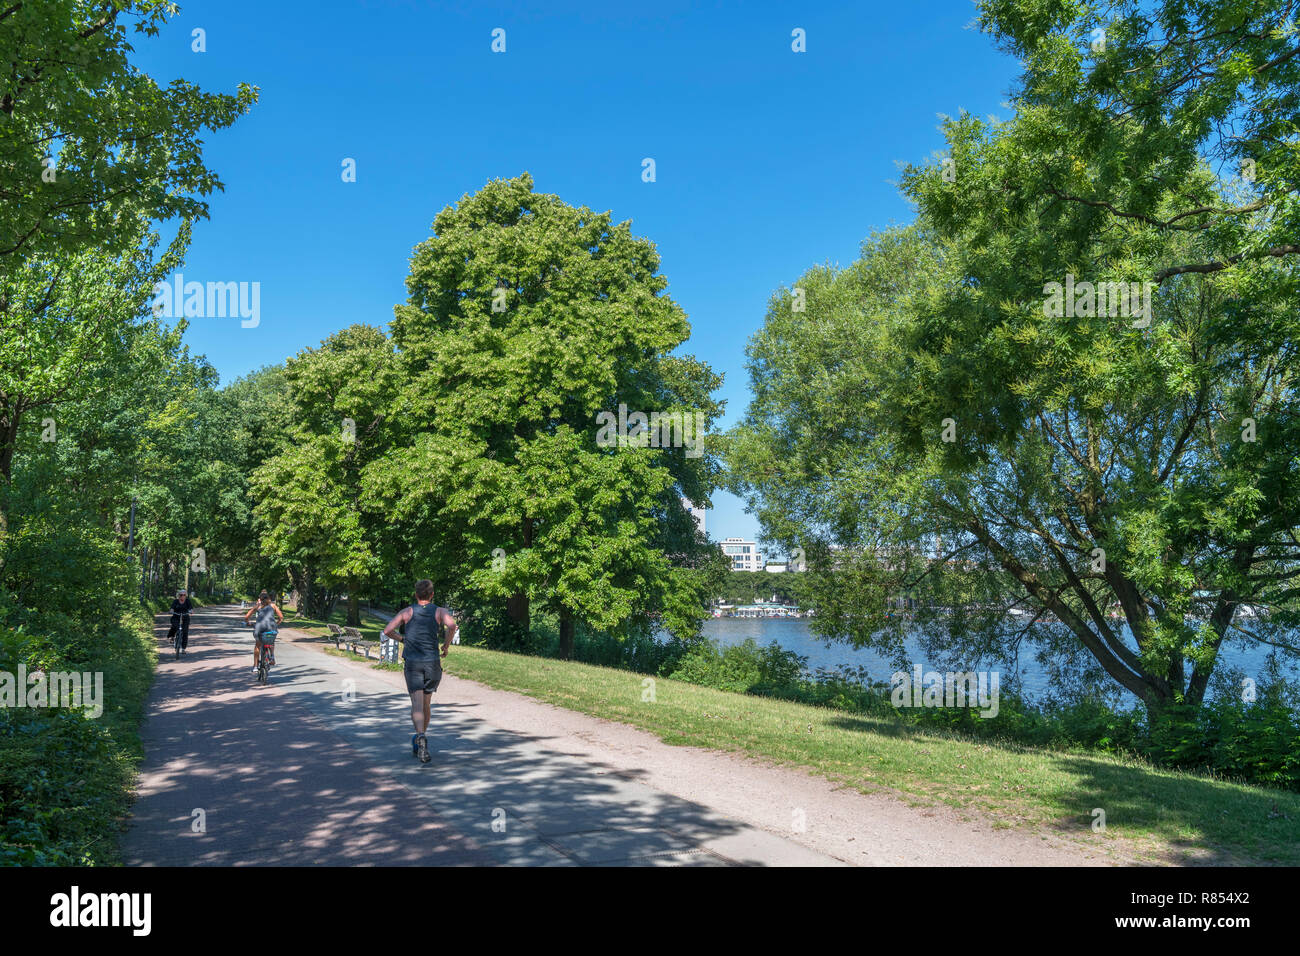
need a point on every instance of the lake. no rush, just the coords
(793, 634)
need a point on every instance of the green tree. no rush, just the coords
(258, 414)
(308, 496)
(527, 318)
(86, 137)
(1134, 481)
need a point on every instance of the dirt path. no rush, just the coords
(317, 768)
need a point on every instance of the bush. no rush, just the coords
(65, 778)
(742, 668)
(1258, 742)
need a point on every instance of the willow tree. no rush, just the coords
(528, 318)
(1074, 383)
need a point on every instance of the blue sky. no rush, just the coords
(768, 161)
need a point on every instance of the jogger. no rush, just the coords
(423, 662)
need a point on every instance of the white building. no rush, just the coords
(744, 555)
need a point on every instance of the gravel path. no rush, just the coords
(317, 769)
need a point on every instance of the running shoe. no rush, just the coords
(424, 749)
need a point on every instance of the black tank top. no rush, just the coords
(422, 634)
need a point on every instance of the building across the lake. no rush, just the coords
(761, 609)
(744, 555)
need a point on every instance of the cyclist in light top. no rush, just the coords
(268, 619)
(423, 668)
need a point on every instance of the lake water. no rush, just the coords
(793, 634)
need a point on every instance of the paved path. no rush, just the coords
(316, 768)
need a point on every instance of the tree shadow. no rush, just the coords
(317, 768)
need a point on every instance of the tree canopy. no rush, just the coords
(1127, 475)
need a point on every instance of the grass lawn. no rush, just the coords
(1150, 813)
(371, 627)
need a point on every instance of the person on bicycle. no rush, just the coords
(181, 608)
(423, 663)
(268, 619)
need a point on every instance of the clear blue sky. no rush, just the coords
(768, 161)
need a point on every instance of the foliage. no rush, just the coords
(87, 140)
(960, 440)
(496, 487)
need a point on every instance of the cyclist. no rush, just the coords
(423, 620)
(268, 619)
(181, 608)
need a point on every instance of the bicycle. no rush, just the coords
(182, 632)
(263, 664)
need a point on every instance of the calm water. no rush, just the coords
(794, 635)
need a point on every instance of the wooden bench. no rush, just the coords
(353, 639)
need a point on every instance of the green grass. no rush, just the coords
(318, 629)
(371, 628)
(1151, 813)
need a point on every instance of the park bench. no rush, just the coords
(354, 640)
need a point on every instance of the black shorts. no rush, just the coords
(423, 675)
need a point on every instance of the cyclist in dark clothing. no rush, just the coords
(421, 624)
(181, 608)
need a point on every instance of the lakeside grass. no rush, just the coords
(1151, 813)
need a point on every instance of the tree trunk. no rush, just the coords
(517, 608)
(566, 633)
(517, 604)
(10, 419)
(354, 605)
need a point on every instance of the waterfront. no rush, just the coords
(795, 635)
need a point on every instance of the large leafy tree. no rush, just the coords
(1133, 483)
(258, 411)
(93, 153)
(527, 317)
(85, 136)
(308, 489)
(67, 320)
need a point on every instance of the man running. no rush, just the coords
(420, 651)
(268, 619)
